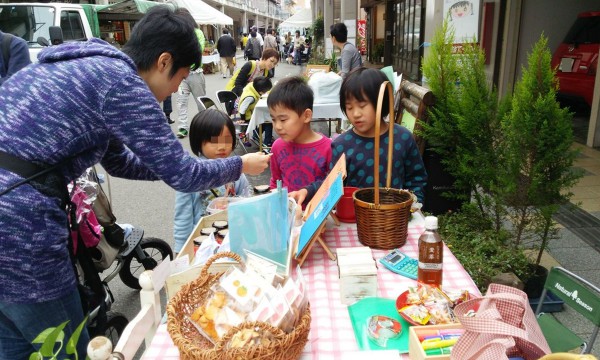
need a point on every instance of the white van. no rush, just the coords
(32, 21)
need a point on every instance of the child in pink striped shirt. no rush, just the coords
(300, 155)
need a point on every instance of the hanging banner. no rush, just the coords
(362, 36)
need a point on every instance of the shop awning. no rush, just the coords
(127, 9)
(205, 14)
(301, 19)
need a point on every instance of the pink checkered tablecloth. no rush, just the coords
(331, 335)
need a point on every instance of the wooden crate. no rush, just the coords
(176, 281)
(415, 350)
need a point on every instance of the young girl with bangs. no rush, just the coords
(358, 100)
(212, 136)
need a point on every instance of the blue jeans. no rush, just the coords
(298, 57)
(21, 323)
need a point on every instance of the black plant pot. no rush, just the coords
(439, 182)
(535, 284)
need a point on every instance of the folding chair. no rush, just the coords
(226, 100)
(207, 102)
(579, 294)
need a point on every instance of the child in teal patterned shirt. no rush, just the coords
(358, 100)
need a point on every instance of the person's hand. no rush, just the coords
(255, 163)
(299, 196)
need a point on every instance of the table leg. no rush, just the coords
(260, 138)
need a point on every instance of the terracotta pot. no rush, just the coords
(345, 207)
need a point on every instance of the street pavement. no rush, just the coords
(150, 205)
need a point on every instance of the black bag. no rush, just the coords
(248, 52)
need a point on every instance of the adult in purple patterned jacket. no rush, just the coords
(86, 103)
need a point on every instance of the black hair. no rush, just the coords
(208, 124)
(161, 30)
(253, 33)
(225, 31)
(269, 53)
(291, 93)
(262, 84)
(363, 84)
(340, 31)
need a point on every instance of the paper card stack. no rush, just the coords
(358, 273)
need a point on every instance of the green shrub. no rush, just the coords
(479, 247)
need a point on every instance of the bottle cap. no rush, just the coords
(431, 222)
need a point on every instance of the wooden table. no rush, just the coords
(331, 335)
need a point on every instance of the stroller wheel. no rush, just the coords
(113, 329)
(155, 251)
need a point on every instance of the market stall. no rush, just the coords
(332, 334)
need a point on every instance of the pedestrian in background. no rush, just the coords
(350, 58)
(299, 46)
(253, 48)
(270, 40)
(259, 37)
(15, 55)
(244, 41)
(226, 49)
(194, 84)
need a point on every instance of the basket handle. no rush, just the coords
(386, 86)
(217, 256)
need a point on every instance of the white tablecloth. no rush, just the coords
(261, 113)
(214, 58)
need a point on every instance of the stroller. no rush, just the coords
(101, 245)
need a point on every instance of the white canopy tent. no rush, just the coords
(300, 20)
(205, 14)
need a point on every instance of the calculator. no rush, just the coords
(400, 263)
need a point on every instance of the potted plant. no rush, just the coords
(377, 53)
(512, 158)
(538, 159)
(51, 337)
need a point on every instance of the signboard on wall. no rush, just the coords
(464, 18)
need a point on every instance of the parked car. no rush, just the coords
(576, 58)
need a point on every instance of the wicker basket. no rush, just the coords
(193, 346)
(382, 214)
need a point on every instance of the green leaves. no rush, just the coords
(51, 336)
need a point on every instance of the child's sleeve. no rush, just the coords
(275, 170)
(183, 221)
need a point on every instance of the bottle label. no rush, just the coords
(430, 266)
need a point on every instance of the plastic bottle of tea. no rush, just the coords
(431, 254)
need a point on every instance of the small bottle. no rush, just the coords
(431, 254)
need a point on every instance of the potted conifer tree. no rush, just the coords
(537, 155)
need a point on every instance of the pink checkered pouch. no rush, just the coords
(498, 325)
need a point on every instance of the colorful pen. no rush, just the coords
(436, 344)
(427, 333)
(440, 351)
(442, 337)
